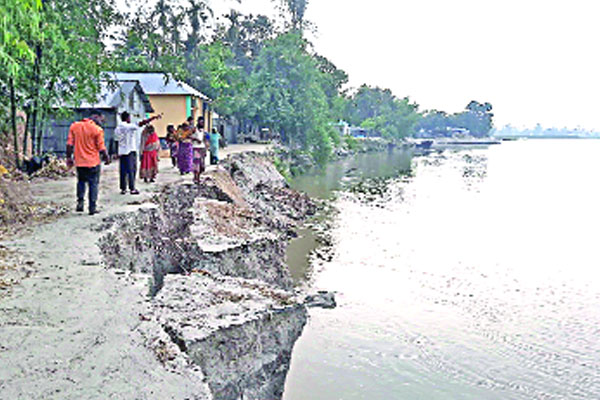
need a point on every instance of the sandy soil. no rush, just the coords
(63, 190)
(67, 327)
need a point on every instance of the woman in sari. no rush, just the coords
(185, 152)
(173, 144)
(150, 146)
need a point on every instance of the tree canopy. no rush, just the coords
(476, 120)
(261, 73)
(52, 53)
(382, 113)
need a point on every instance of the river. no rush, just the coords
(459, 275)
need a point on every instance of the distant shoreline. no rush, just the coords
(545, 137)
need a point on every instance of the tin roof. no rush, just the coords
(159, 83)
(112, 95)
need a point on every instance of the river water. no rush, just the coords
(459, 275)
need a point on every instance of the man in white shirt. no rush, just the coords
(126, 135)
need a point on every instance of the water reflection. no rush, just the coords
(366, 175)
(324, 184)
(474, 279)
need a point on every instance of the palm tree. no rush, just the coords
(297, 10)
(198, 13)
(164, 12)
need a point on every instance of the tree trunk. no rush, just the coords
(40, 130)
(13, 120)
(35, 103)
(25, 134)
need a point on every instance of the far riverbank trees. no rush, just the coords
(476, 119)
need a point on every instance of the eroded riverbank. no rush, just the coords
(185, 296)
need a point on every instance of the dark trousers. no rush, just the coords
(91, 177)
(127, 170)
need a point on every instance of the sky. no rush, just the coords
(534, 61)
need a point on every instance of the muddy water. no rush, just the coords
(474, 277)
(371, 169)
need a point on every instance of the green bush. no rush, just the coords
(282, 167)
(321, 146)
(351, 142)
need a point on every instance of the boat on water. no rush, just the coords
(424, 144)
(419, 143)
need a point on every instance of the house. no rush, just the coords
(114, 98)
(174, 99)
(342, 127)
(358, 132)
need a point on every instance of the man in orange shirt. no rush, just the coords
(86, 141)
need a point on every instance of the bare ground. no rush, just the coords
(68, 325)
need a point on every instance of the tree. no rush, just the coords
(20, 27)
(69, 57)
(477, 118)
(53, 53)
(212, 71)
(287, 95)
(245, 36)
(296, 10)
(164, 13)
(367, 103)
(151, 42)
(198, 14)
(332, 81)
(379, 111)
(222, 68)
(433, 123)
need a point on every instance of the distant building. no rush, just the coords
(358, 132)
(227, 128)
(342, 127)
(176, 100)
(458, 132)
(114, 98)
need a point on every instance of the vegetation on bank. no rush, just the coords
(261, 72)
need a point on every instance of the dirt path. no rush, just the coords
(62, 191)
(68, 330)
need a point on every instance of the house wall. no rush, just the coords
(173, 108)
(202, 108)
(135, 107)
(207, 115)
(55, 131)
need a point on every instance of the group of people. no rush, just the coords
(188, 145)
(85, 147)
(126, 135)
